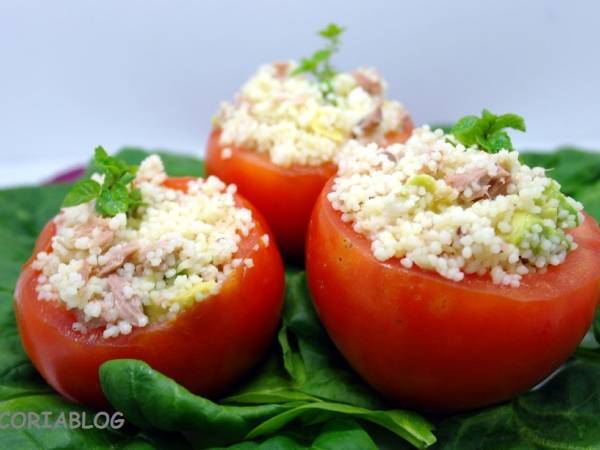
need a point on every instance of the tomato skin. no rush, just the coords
(285, 195)
(206, 348)
(437, 345)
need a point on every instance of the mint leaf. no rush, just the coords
(82, 192)
(112, 167)
(321, 56)
(113, 201)
(513, 121)
(126, 178)
(486, 122)
(331, 31)
(466, 130)
(305, 65)
(319, 64)
(497, 141)
(135, 201)
(115, 195)
(487, 131)
(100, 154)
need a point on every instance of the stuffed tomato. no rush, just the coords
(449, 276)
(186, 277)
(279, 141)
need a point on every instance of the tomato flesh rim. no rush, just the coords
(473, 283)
(30, 275)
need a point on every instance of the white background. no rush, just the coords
(75, 74)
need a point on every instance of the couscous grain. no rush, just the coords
(121, 272)
(435, 204)
(288, 118)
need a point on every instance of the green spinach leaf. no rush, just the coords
(410, 426)
(270, 384)
(311, 359)
(336, 434)
(563, 414)
(151, 400)
(24, 211)
(596, 326)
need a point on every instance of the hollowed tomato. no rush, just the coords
(438, 345)
(206, 348)
(285, 195)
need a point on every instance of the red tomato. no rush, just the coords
(438, 345)
(206, 348)
(285, 195)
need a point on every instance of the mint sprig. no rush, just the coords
(82, 192)
(319, 64)
(115, 195)
(488, 131)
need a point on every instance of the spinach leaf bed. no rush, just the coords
(303, 395)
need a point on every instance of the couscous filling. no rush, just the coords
(287, 117)
(436, 204)
(125, 271)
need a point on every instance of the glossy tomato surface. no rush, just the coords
(206, 348)
(438, 345)
(285, 195)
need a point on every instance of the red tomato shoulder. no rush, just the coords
(428, 342)
(285, 195)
